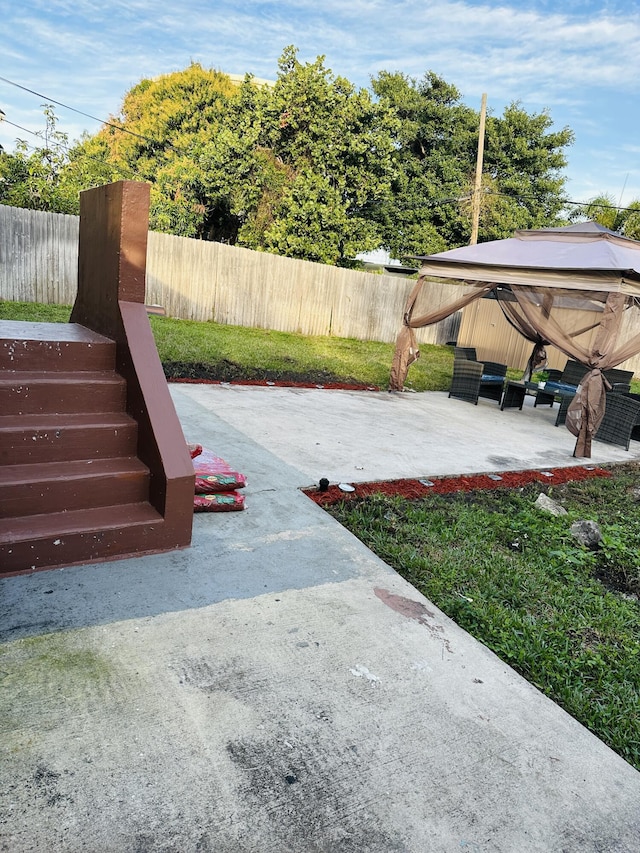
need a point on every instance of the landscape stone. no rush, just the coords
(587, 533)
(545, 503)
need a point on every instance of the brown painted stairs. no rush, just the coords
(71, 483)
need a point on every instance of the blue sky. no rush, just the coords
(579, 60)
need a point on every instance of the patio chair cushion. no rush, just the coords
(573, 373)
(565, 387)
(492, 380)
(615, 376)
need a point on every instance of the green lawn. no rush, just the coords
(210, 344)
(566, 618)
(253, 350)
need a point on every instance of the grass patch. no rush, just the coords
(566, 618)
(234, 352)
(34, 312)
(251, 351)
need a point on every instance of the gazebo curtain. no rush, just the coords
(407, 351)
(533, 313)
(587, 409)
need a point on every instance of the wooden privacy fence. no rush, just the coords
(38, 256)
(198, 280)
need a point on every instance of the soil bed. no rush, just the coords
(226, 371)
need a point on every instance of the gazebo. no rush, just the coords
(554, 286)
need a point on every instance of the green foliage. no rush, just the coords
(516, 579)
(165, 124)
(602, 209)
(321, 158)
(436, 150)
(309, 167)
(435, 140)
(38, 180)
(524, 160)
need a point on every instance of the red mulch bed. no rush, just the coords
(445, 485)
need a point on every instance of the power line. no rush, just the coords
(565, 201)
(87, 115)
(54, 144)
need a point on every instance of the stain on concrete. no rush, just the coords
(414, 610)
(320, 794)
(36, 672)
(405, 606)
(504, 463)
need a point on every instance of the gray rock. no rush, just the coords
(587, 533)
(545, 503)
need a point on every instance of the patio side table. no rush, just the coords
(514, 394)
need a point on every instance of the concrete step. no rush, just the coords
(36, 489)
(24, 392)
(53, 346)
(33, 542)
(26, 439)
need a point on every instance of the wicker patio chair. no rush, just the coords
(635, 432)
(569, 380)
(562, 411)
(465, 384)
(492, 380)
(615, 376)
(553, 375)
(618, 388)
(621, 415)
(469, 353)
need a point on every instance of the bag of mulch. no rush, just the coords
(218, 502)
(213, 474)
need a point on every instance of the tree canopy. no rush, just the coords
(309, 166)
(602, 209)
(430, 208)
(34, 179)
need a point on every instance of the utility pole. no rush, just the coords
(475, 200)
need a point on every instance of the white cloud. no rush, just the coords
(580, 59)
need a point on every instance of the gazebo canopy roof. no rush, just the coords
(584, 256)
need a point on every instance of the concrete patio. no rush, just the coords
(276, 687)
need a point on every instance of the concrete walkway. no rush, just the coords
(276, 687)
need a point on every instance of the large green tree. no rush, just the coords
(294, 168)
(524, 162)
(309, 166)
(436, 151)
(159, 136)
(435, 140)
(321, 162)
